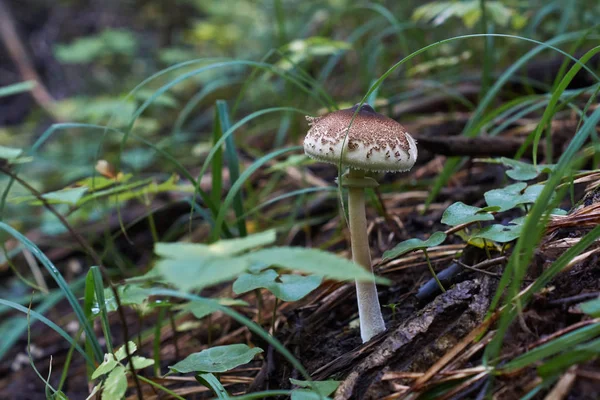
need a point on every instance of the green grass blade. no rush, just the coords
(36, 315)
(299, 192)
(211, 382)
(217, 161)
(531, 234)
(562, 86)
(89, 298)
(68, 293)
(17, 88)
(236, 187)
(99, 290)
(233, 163)
(239, 124)
(551, 348)
(197, 99)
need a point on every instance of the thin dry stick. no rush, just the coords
(16, 51)
(96, 258)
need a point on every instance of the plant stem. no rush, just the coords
(274, 317)
(369, 310)
(259, 306)
(432, 271)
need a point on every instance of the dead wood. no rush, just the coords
(421, 340)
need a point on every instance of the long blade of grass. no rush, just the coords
(233, 164)
(550, 109)
(63, 285)
(239, 124)
(530, 236)
(17, 88)
(217, 161)
(551, 348)
(36, 315)
(99, 290)
(236, 187)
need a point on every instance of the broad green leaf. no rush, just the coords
(107, 365)
(415, 244)
(505, 198)
(286, 287)
(460, 213)
(202, 309)
(591, 307)
(313, 261)
(498, 233)
(228, 247)
(121, 354)
(217, 359)
(115, 385)
(531, 194)
(189, 273)
(140, 362)
(129, 294)
(9, 153)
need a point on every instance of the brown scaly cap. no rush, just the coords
(375, 142)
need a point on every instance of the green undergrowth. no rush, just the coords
(220, 135)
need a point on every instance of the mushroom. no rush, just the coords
(374, 143)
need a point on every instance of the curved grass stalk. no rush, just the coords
(236, 187)
(51, 325)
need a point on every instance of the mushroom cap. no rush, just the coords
(375, 142)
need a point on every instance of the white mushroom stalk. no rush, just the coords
(374, 143)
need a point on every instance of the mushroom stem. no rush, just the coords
(369, 310)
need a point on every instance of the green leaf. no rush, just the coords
(202, 309)
(121, 354)
(115, 385)
(505, 198)
(313, 261)
(217, 359)
(140, 362)
(188, 273)
(226, 247)
(519, 170)
(498, 233)
(110, 42)
(9, 153)
(129, 294)
(285, 287)
(460, 213)
(324, 388)
(107, 365)
(415, 244)
(591, 307)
